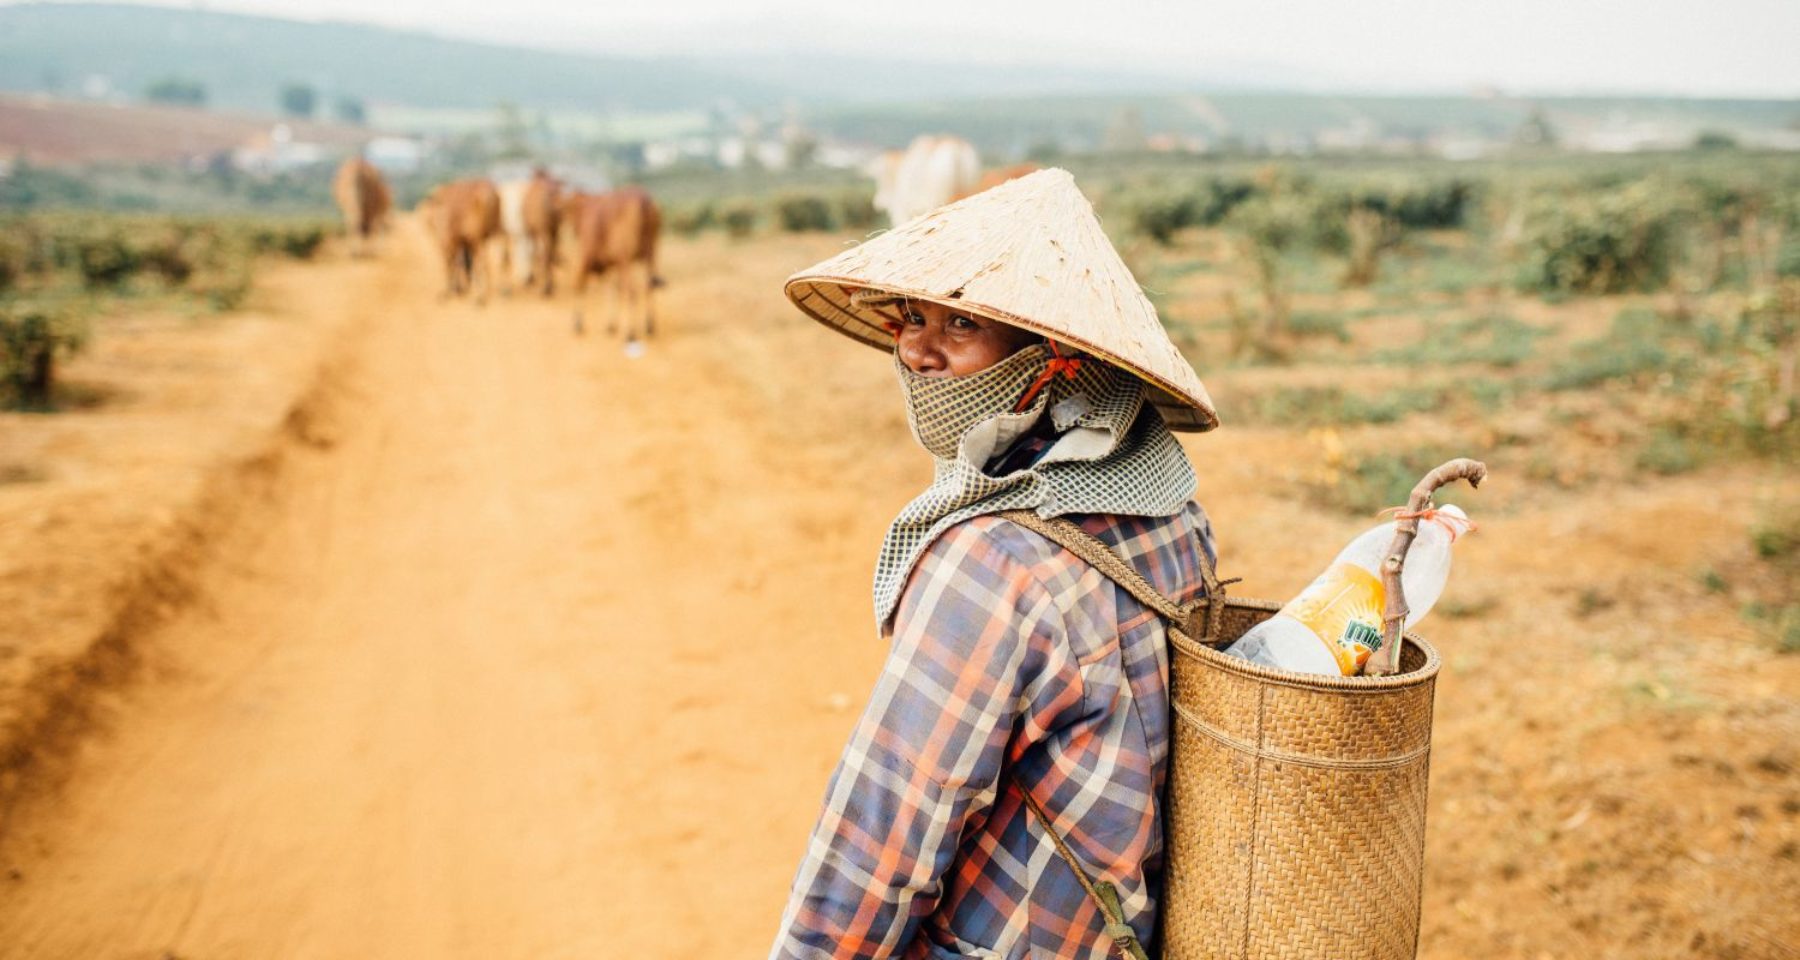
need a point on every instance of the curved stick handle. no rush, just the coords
(1393, 621)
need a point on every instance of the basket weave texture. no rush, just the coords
(1294, 822)
(1295, 819)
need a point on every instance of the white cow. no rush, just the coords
(518, 247)
(933, 171)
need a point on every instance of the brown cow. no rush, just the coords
(616, 232)
(543, 215)
(363, 196)
(462, 216)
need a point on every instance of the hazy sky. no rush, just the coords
(1717, 48)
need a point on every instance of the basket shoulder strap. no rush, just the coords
(1104, 894)
(1114, 568)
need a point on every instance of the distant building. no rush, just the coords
(277, 151)
(396, 155)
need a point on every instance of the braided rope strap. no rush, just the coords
(1198, 619)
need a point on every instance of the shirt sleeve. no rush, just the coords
(976, 636)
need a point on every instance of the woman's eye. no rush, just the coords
(964, 323)
(916, 319)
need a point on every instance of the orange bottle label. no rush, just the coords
(1343, 608)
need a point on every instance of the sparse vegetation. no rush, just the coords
(802, 212)
(740, 219)
(1638, 343)
(59, 270)
(1495, 339)
(32, 343)
(1337, 406)
(1617, 241)
(1367, 483)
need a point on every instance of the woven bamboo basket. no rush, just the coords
(1295, 818)
(1295, 825)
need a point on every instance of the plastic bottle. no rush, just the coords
(1335, 623)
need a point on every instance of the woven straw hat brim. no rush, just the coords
(1029, 253)
(827, 300)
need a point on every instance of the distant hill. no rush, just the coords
(243, 62)
(1305, 122)
(115, 52)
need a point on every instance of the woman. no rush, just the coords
(1037, 375)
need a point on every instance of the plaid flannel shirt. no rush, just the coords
(1014, 665)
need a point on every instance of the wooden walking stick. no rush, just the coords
(1393, 621)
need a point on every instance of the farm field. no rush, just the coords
(360, 624)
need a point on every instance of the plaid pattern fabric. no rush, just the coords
(1014, 665)
(1123, 459)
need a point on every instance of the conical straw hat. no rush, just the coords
(1030, 253)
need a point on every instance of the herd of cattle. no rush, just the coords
(520, 223)
(475, 222)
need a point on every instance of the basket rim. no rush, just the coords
(1189, 647)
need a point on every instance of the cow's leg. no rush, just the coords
(581, 278)
(546, 249)
(481, 265)
(503, 244)
(614, 315)
(648, 290)
(452, 265)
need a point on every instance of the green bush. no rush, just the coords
(31, 343)
(167, 253)
(14, 259)
(1161, 213)
(1440, 205)
(856, 210)
(105, 259)
(26, 187)
(1776, 535)
(296, 240)
(803, 212)
(689, 219)
(740, 218)
(1616, 242)
(1161, 217)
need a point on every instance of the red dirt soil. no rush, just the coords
(49, 131)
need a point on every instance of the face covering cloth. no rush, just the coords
(1111, 453)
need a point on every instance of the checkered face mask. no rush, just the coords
(1112, 453)
(941, 410)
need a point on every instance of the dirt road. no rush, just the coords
(480, 676)
(517, 647)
